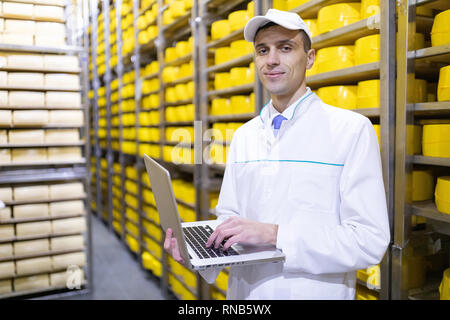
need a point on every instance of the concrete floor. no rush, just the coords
(116, 271)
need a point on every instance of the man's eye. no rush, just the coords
(286, 48)
(262, 51)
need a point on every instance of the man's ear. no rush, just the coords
(310, 57)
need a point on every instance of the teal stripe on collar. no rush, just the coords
(295, 109)
(263, 109)
(303, 161)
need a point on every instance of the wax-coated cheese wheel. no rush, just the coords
(30, 117)
(18, 39)
(33, 228)
(50, 28)
(66, 117)
(37, 210)
(64, 154)
(17, 10)
(26, 136)
(6, 250)
(6, 231)
(31, 193)
(26, 79)
(72, 225)
(5, 214)
(62, 135)
(7, 269)
(65, 190)
(26, 99)
(31, 283)
(5, 286)
(22, 248)
(49, 41)
(63, 99)
(62, 261)
(5, 156)
(5, 117)
(3, 78)
(35, 265)
(64, 208)
(49, 12)
(5, 194)
(19, 26)
(3, 103)
(61, 62)
(29, 155)
(62, 81)
(67, 243)
(32, 61)
(3, 137)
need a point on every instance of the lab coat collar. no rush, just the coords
(298, 107)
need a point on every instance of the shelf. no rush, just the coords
(347, 35)
(36, 2)
(48, 290)
(32, 126)
(238, 62)
(42, 175)
(345, 76)
(40, 108)
(432, 54)
(37, 89)
(43, 145)
(147, 47)
(432, 108)
(368, 112)
(44, 163)
(235, 35)
(434, 4)
(39, 219)
(427, 209)
(42, 254)
(37, 237)
(222, 6)
(2, 16)
(179, 123)
(39, 49)
(178, 103)
(42, 70)
(181, 80)
(180, 22)
(232, 117)
(419, 159)
(179, 61)
(246, 88)
(20, 202)
(312, 7)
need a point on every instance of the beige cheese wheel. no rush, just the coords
(65, 208)
(5, 117)
(22, 248)
(37, 210)
(18, 39)
(3, 78)
(6, 194)
(30, 117)
(32, 283)
(50, 28)
(5, 286)
(64, 154)
(3, 56)
(71, 225)
(29, 155)
(3, 103)
(40, 228)
(26, 136)
(39, 192)
(7, 269)
(49, 12)
(66, 190)
(62, 81)
(5, 214)
(63, 99)
(67, 243)
(49, 41)
(19, 26)
(6, 250)
(21, 60)
(3, 137)
(62, 261)
(2, 23)
(26, 99)
(61, 62)
(5, 156)
(62, 135)
(26, 79)
(51, 2)
(17, 10)
(66, 117)
(35, 265)
(6, 231)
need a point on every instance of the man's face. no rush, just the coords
(281, 60)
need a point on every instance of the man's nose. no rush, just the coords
(273, 58)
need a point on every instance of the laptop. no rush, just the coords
(192, 236)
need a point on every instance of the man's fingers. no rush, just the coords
(224, 225)
(232, 240)
(223, 234)
(168, 239)
(176, 251)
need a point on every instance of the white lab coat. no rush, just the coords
(321, 181)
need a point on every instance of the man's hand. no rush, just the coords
(171, 246)
(240, 230)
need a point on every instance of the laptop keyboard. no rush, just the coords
(198, 236)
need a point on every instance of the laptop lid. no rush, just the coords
(166, 203)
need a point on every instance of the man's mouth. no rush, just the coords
(273, 74)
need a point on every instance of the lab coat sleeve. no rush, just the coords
(362, 237)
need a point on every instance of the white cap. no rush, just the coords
(286, 19)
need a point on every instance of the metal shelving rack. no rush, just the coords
(409, 112)
(76, 22)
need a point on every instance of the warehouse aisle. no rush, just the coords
(116, 273)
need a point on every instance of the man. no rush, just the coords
(302, 176)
